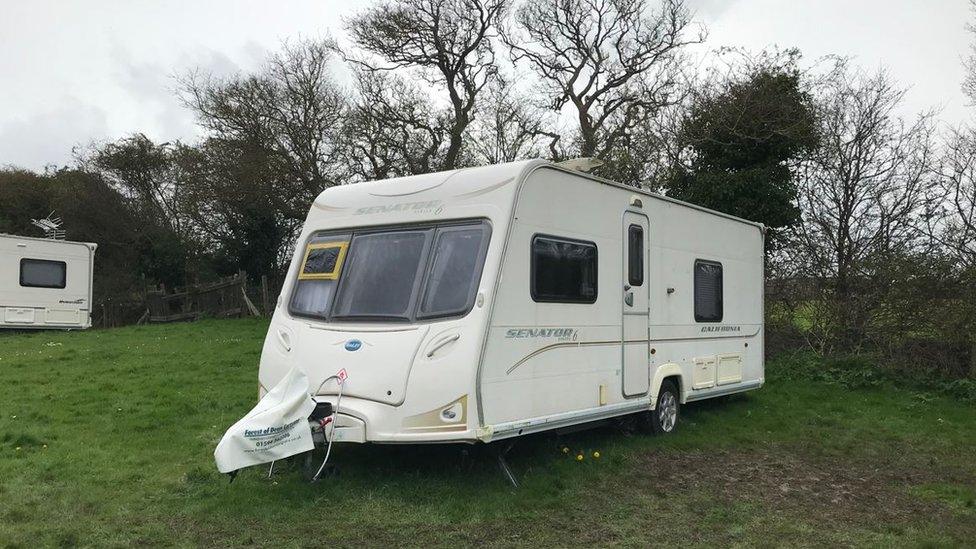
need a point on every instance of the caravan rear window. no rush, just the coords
(43, 273)
(708, 291)
(393, 274)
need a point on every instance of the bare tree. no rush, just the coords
(957, 229)
(448, 41)
(510, 128)
(292, 108)
(864, 194)
(235, 196)
(392, 128)
(149, 175)
(952, 228)
(274, 140)
(613, 61)
(969, 62)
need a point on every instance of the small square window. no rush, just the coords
(323, 261)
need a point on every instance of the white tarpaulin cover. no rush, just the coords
(275, 429)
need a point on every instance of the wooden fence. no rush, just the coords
(224, 298)
(112, 313)
(228, 297)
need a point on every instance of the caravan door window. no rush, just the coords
(563, 270)
(635, 255)
(43, 273)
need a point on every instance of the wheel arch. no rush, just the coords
(670, 371)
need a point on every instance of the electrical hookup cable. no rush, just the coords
(335, 412)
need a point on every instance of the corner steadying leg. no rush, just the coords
(503, 465)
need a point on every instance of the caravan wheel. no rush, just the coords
(664, 416)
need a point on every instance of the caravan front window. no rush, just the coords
(392, 274)
(383, 271)
(453, 277)
(317, 276)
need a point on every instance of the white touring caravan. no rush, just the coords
(45, 283)
(485, 303)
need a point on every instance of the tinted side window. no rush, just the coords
(635, 255)
(563, 270)
(454, 273)
(43, 273)
(708, 291)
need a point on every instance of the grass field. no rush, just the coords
(106, 438)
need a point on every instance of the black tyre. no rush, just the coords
(664, 417)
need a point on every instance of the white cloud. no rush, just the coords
(921, 43)
(47, 138)
(74, 72)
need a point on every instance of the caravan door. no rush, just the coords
(635, 337)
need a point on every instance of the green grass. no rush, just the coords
(106, 439)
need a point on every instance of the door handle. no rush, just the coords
(629, 299)
(284, 340)
(440, 344)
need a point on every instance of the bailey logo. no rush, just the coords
(353, 345)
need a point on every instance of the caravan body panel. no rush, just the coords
(544, 360)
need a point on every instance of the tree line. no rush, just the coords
(870, 212)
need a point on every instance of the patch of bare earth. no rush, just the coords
(817, 489)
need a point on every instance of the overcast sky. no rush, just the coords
(82, 71)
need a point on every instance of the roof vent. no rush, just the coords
(582, 164)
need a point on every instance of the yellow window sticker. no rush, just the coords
(323, 261)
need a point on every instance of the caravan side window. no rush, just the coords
(708, 291)
(43, 273)
(563, 270)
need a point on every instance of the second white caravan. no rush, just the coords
(45, 283)
(486, 303)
